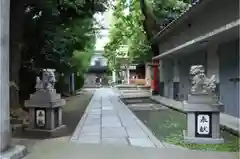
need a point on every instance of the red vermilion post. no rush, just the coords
(155, 81)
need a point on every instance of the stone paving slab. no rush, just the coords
(113, 123)
(108, 121)
(111, 132)
(89, 139)
(142, 142)
(90, 130)
(136, 133)
(52, 149)
(115, 141)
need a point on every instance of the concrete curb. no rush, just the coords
(156, 142)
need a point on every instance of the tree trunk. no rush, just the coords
(16, 32)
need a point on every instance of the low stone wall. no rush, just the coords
(131, 86)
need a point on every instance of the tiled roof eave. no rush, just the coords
(215, 32)
(195, 7)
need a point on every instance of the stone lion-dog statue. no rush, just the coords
(200, 82)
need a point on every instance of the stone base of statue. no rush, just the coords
(45, 109)
(203, 118)
(14, 152)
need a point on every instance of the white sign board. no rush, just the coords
(40, 117)
(203, 124)
(132, 67)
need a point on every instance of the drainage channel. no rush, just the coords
(144, 103)
(168, 124)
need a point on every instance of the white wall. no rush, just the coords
(176, 71)
(213, 61)
(161, 73)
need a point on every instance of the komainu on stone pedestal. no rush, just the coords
(45, 107)
(200, 82)
(203, 109)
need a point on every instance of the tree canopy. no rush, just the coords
(60, 34)
(127, 29)
(165, 11)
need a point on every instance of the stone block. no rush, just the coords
(90, 134)
(203, 124)
(141, 142)
(201, 99)
(111, 123)
(113, 132)
(89, 139)
(115, 141)
(107, 108)
(201, 108)
(201, 140)
(136, 133)
(44, 133)
(14, 152)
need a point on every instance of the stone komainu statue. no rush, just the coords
(48, 80)
(200, 82)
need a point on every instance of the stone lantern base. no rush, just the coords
(203, 126)
(14, 152)
(45, 109)
(201, 140)
(57, 132)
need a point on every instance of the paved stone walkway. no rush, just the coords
(108, 121)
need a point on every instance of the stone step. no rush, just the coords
(17, 128)
(16, 121)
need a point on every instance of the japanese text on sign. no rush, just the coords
(40, 117)
(203, 124)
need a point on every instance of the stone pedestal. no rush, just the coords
(114, 76)
(148, 74)
(203, 125)
(128, 74)
(45, 109)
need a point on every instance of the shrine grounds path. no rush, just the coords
(108, 121)
(109, 130)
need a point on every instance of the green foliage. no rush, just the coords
(81, 59)
(60, 34)
(166, 11)
(178, 139)
(79, 82)
(127, 30)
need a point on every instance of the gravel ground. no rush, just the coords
(74, 110)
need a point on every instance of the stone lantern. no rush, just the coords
(203, 110)
(45, 108)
